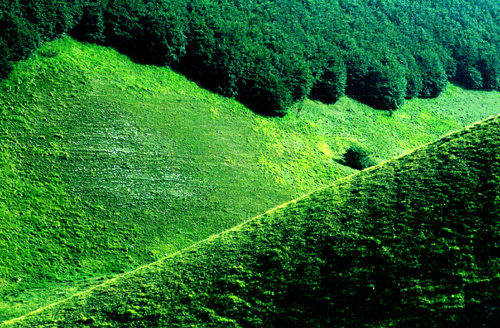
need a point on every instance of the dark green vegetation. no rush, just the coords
(358, 158)
(106, 165)
(412, 242)
(271, 54)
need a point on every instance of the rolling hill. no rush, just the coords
(411, 242)
(107, 165)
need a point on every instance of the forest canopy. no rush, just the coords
(271, 54)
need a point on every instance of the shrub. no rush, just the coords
(358, 157)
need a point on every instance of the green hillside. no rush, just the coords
(409, 243)
(106, 165)
(272, 54)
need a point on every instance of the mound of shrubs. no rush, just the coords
(358, 157)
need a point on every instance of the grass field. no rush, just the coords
(408, 243)
(107, 165)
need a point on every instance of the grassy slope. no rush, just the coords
(411, 242)
(106, 165)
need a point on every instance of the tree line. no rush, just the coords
(270, 54)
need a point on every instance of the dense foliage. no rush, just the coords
(358, 158)
(410, 243)
(270, 54)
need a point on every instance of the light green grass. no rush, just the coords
(324, 132)
(407, 243)
(107, 165)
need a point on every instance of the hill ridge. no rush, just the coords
(58, 110)
(131, 316)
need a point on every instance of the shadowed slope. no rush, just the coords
(411, 242)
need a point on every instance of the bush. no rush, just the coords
(358, 157)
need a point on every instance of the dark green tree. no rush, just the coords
(165, 29)
(91, 24)
(297, 75)
(414, 82)
(262, 88)
(5, 64)
(331, 82)
(20, 37)
(123, 26)
(49, 18)
(489, 67)
(468, 76)
(201, 45)
(380, 83)
(434, 75)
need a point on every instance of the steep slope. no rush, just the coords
(412, 242)
(106, 165)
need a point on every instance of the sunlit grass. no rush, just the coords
(106, 164)
(405, 243)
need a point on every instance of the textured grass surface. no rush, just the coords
(106, 165)
(409, 243)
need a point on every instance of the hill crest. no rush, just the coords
(408, 242)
